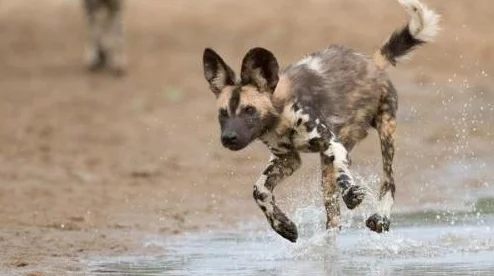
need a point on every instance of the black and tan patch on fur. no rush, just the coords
(399, 44)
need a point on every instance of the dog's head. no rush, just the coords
(245, 107)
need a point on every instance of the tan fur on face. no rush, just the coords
(260, 100)
(224, 97)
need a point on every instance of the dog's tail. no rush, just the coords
(421, 28)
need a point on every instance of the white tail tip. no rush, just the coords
(424, 23)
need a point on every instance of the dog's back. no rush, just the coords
(341, 86)
(348, 90)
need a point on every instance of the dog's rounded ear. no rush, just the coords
(260, 68)
(216, 71)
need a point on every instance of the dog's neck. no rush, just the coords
(280, 137)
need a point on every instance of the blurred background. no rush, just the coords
(88, 160)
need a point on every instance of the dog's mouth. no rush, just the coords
(240, 142)
(235, 147)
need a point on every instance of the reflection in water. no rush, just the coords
(433, 242)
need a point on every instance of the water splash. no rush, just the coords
(433, 246)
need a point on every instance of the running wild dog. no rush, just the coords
(324, 103)
(105, 45)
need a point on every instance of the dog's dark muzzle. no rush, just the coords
(232, 141)
(229, 138)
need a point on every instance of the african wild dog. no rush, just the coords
(324, 103)
(105, 45)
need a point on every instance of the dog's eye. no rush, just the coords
(223, 113)
(250, 110)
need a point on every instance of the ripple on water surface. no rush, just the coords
(431, 242)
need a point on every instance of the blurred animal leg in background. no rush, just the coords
(115, 38)
(95, 54)
(105, 41)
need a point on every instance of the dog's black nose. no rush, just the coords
(229, 138)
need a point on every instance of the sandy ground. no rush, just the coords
(90, 163)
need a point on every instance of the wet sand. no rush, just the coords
(91, 164)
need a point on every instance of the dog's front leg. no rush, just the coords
(352, 194)
(334, 161)
(279, 167)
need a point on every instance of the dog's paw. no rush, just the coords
(333, 227)
(378, 223)
(333, 223)
(284, 226)
(353, 196)
(287, 230)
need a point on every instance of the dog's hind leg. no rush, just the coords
(330, 193)
(386, 126)
(279, 167)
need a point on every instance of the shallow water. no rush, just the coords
(420, 243)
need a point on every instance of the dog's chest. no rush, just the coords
(298, 131)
